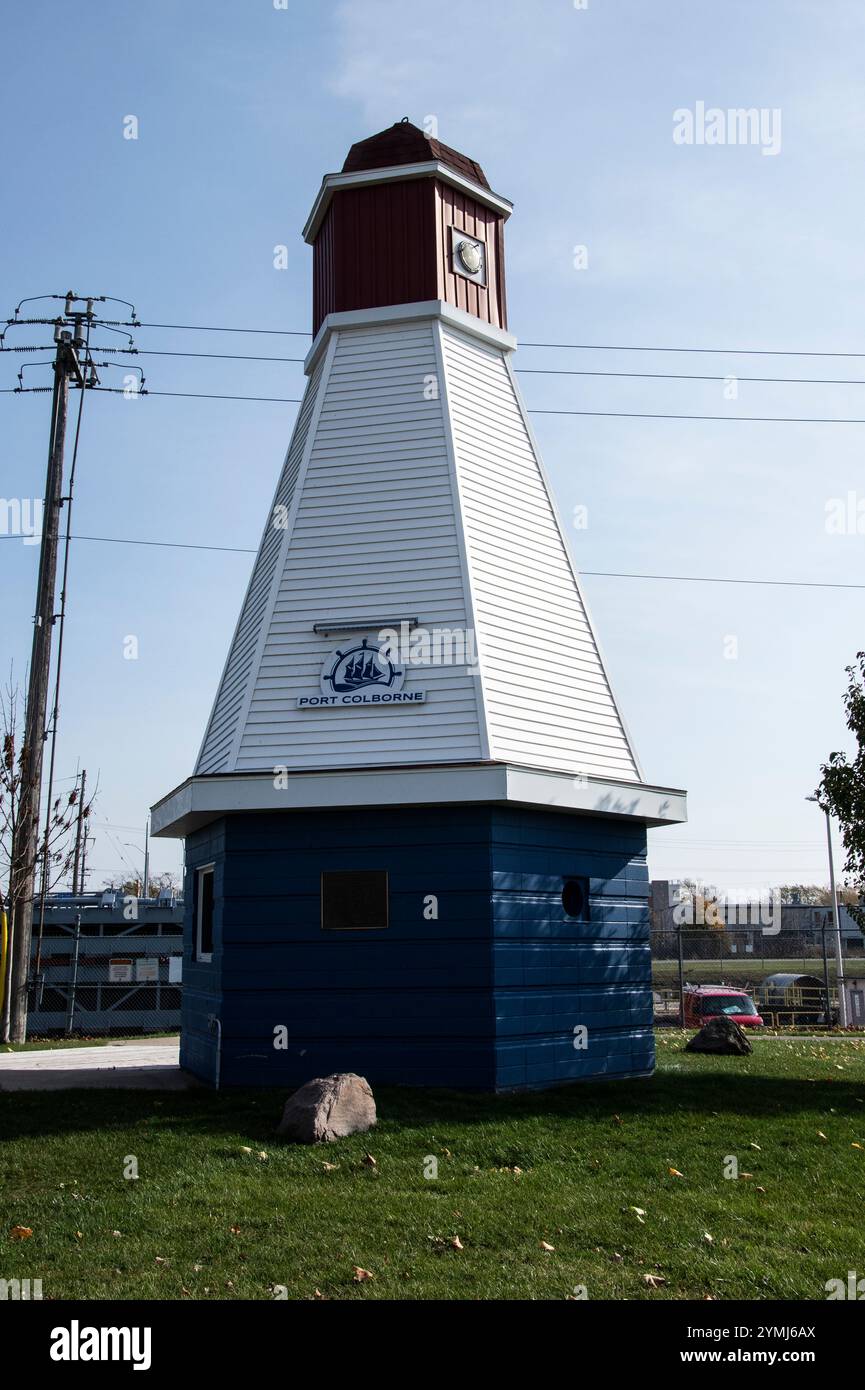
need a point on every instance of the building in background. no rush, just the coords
(805, 922)
(416, 831)
(106, 963)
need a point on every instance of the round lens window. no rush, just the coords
(575, 898)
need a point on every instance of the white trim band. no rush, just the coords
(200, 800)
(406, 313)
(398, 173)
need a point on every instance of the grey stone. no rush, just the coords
(720, 1035)
(328, 1108)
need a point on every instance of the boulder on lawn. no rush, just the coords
(328, 1108)
(720, 1034)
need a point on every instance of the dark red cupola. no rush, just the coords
(408, 220)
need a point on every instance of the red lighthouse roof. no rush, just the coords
(404, 143)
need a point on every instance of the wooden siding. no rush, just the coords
(486, 996)
(376, 246)
(375, 535)
(551, 973)
(457, 209)
(430, 508)
(217, 748)
(390, 243)
(548, 700)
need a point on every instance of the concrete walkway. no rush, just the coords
(151, 1064)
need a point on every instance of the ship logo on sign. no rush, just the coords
(361, 675)
(358, 669)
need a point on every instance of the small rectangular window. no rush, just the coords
(204, 913)
(354, 901)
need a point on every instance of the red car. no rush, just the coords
(706, 1001)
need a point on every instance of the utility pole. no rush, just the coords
(146, 892)
(76, 881)
(65, 365)
(72, 363)
(836, 922)
(83, 862)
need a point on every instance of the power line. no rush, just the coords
(726, 419)
(205, 328)
(604, 414)
(234, 356)
(710, 579)
(537, 371)
(576, 347)
(721, 352)
(671, 376)
(595, 574)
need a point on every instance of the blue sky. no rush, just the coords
(241, 108)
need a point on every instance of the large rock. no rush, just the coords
(720, 1034)
(330, 1107)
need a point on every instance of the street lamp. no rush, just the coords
(839, 957)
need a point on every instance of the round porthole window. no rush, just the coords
(575, 898)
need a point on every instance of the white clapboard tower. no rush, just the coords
(413, 635)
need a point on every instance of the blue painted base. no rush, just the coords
(486, 995)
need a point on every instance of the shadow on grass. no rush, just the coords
(255, 1113)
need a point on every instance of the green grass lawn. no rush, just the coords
(51, 1044)
(205, 1219)
(747, 969)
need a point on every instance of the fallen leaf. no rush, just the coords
(743, 1177)
(710, 1240)
(654, 1281)
(262, 1155)
(79, 1235)
(457, 1243)
(820, 1134)
(116, 1234)
(755, 1146)
(235, 1230)
(360, 1275)
(639, 1213)
(245, 1149)
(21, 1232)
(330, 1167)
(370, 1161)
(855, 1146)
(674, 1173)
(546, 1246)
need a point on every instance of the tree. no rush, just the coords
(815, 895)
(159, 883)
(54, 853)
(842, 789)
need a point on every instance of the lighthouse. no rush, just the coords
(415, 833)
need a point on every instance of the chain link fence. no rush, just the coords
(790, 976)
(106, 965)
